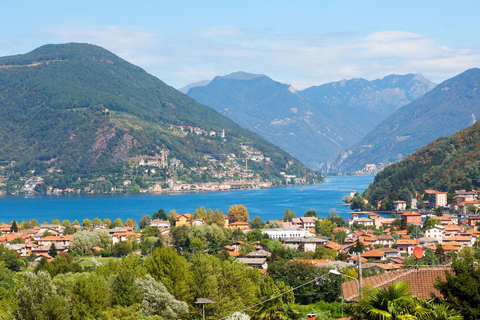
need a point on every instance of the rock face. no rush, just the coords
(314, 124)
(451, 106)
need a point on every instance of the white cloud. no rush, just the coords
(300, 59)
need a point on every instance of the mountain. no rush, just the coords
(314, 124)
(81, 110)
(381, 96)
(201, 83)
(451, 106)
(447, 164)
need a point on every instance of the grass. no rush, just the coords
(87, 261)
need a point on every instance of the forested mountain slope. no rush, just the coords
(447, 164)
(81, 109)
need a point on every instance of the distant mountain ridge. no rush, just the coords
(381, 96)
(316, 123)
(449, 107)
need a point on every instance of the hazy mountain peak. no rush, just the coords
(201, 83)
(240, 75)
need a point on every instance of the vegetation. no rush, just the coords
(76, 115)
(447, 164)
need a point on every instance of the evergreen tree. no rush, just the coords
(52, 252)
(14, 227)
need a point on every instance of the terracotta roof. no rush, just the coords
(333, 245)
(373, 254)
(420, 281)
(450, 248)
(239, 223)
(407, 241)
(411, 214)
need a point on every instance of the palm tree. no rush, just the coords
(389, 303)
(440, 311)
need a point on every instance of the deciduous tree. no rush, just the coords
(238, 213)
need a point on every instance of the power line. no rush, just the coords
(279, 295)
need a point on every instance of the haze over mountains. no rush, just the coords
(451, 106)
(316, 123)
(82, 109)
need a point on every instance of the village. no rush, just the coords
(384, 243)
(160, 174)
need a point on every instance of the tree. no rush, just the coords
(358, 203)
(160, 214)
(439, 211)
(430, 222)
(107, 222)
(52, 252)
(339, 237)
(37, 298)
(256, 223)
(461, 287)
(392, 302)
(166, 266)
(144, 221)
(358, 248)
(310, 213)
(118, 223)
(97, 222)
(238, 213)
(90, 296)
(87, 224)
(325, 253)
(75, 223)
(347, 199)
(288, 215)
(102, 239)
(122, 248)
(157, 300)
(14, 227)
(66, 223)
(332, 213)
(33, 223)
(130, 223)
(81, 241)
(324, 227)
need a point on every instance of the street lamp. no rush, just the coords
(335, 272)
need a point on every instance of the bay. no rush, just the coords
(268, 204)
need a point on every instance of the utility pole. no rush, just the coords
(359, 273)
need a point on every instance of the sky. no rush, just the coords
(302, 43)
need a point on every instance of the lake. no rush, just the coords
(267, 204)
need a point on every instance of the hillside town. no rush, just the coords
(159, 174)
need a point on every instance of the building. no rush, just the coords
(436, 232)
(278, 234)
(305, 244)
(399, 205)
(436, 198)
(412, 217)
(407, 245)
(160, 224)
(421, 282)
(304, 222)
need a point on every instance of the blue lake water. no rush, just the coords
(267, 204)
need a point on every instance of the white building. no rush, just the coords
(278, 234)
(436, 232)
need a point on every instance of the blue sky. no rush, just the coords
(303, 43)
